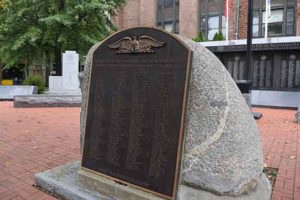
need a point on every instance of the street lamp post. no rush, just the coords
(256, 115)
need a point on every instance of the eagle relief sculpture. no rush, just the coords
(143, 44)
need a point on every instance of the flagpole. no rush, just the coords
(249, 39)
(266, 18)
(227, 20)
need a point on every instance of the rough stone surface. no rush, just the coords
(67, 182)
(8, 92)
(222, 152)
(262, 192)
(63, 181)
(39, 101)
(298, 115)
(84, 90)
(247, 97)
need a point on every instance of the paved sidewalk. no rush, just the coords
(34, 140)
(31, 141)
(281, 144)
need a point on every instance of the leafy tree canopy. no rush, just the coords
(31, 29)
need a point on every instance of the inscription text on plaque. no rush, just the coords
(136, 108)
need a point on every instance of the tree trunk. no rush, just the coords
(48, 67)
(61, 5)
(58, 61)
(58, 56)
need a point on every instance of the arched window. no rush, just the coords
(168, 15)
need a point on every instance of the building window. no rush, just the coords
(168, 15)
(281, 20)
(212, 19)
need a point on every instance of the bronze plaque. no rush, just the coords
(136, 108)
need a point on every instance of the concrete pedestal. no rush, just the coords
(8, 92)
(68, 83)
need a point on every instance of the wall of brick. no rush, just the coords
(136, 13)
(243, 19)
(188, 18)
(233, 20)
(129, 15)
(148, 13)
(143, 13)
(298, 18)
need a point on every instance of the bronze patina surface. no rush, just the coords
(136, 108)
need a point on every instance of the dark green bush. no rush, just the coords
(221, 36)
(200, 37)
(35, 80)
(218, 36)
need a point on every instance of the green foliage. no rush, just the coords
(221, 36)
(37, 29)
(218, 36)
(200, 37)
(35, 80)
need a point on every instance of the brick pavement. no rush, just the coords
(34, 140)
(281, 143)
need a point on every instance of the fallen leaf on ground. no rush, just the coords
(268, 158)
(35, 147)
(265, 165)
(7, 163)
(27, 132)
(292, 157)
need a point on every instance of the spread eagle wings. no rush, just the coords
(147, 42)
(122, 44)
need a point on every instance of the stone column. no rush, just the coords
(70, 70)
(189, 18)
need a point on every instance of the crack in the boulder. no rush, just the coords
(197, 150)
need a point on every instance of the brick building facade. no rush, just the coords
(275, 65)
(145, 13)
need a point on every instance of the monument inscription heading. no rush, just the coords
(136, 109)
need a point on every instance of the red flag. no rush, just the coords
(227, 3)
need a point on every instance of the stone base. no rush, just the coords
(8, 92)
(64, 92)
(40, 101)
(66, 182)
(282, 99)
(112, 188)
(262, 192)
(70, 182)
(63, 181)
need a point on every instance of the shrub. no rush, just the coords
(200, 37)
(218, 36)
(221, 36)
(35, 80)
